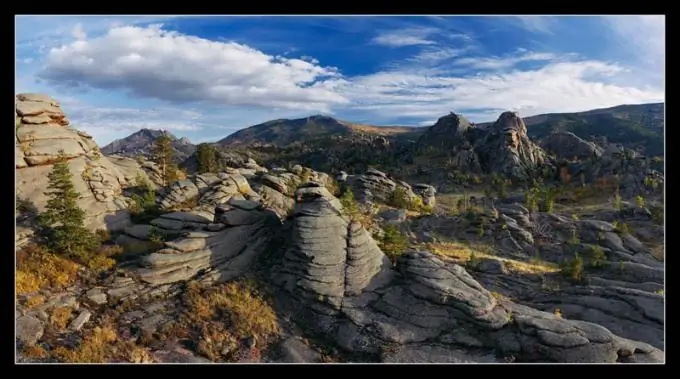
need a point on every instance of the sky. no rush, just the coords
(206, 77)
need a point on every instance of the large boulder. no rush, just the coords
(41, 133)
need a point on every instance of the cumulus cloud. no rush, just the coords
(156, 63)
(405, 37)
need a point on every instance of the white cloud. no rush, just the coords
(108, 123)
(245, 86)
(535, 24)
(555, 87)
(155, 63)
(498, 63)
(78, 32)
(405, 37)
(644, 36)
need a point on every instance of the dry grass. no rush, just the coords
(37, 269)
(382, 130)
(34, 352)
(60, 317)
(221, 317)
(658, 251)
(104, 260)
(102, 345)
(465, 253)
(34, 301)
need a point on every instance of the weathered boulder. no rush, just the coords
(42, 132)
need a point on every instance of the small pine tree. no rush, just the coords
(206, 155)
(162, 156)
(62, 223)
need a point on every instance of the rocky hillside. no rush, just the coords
(635, 126)
(258, 264)
(285, 132)
(140, 143)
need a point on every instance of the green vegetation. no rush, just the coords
(143, 207)
(597, 255)
(162, 156)
(393, 242)
(206, 156)
(62, 223)
(573, 268)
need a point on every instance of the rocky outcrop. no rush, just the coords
(42, 132)
(568, 145)
(448, 133)
(423, 306)
(377, 186)
(507, 150)
(217, 256)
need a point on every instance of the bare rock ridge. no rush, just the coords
(42, 130)
(503, 147)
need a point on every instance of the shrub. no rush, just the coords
(573, 268)
(102, 345)
(60, 317)
(393, 242)
(531, 199)
(349, 204)
(38, 269)
(597, 255)
(640, 201)
(222, 316)
(616, 202)
(333, 187)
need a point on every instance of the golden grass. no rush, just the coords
(37, 269)
(102, 345)
(382, 130)
(465, 252)
(34, 301)
(220, 317)
(60, 317)
(34, 352)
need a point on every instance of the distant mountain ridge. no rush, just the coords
(284, 132)
(141, 142)
(634, 126)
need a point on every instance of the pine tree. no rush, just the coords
(162, 156)
(206, 156)
(62, 223)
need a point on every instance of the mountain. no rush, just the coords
(285, 132)
(140, 143)
(639, 126)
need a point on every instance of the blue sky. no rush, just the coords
(205, 77)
